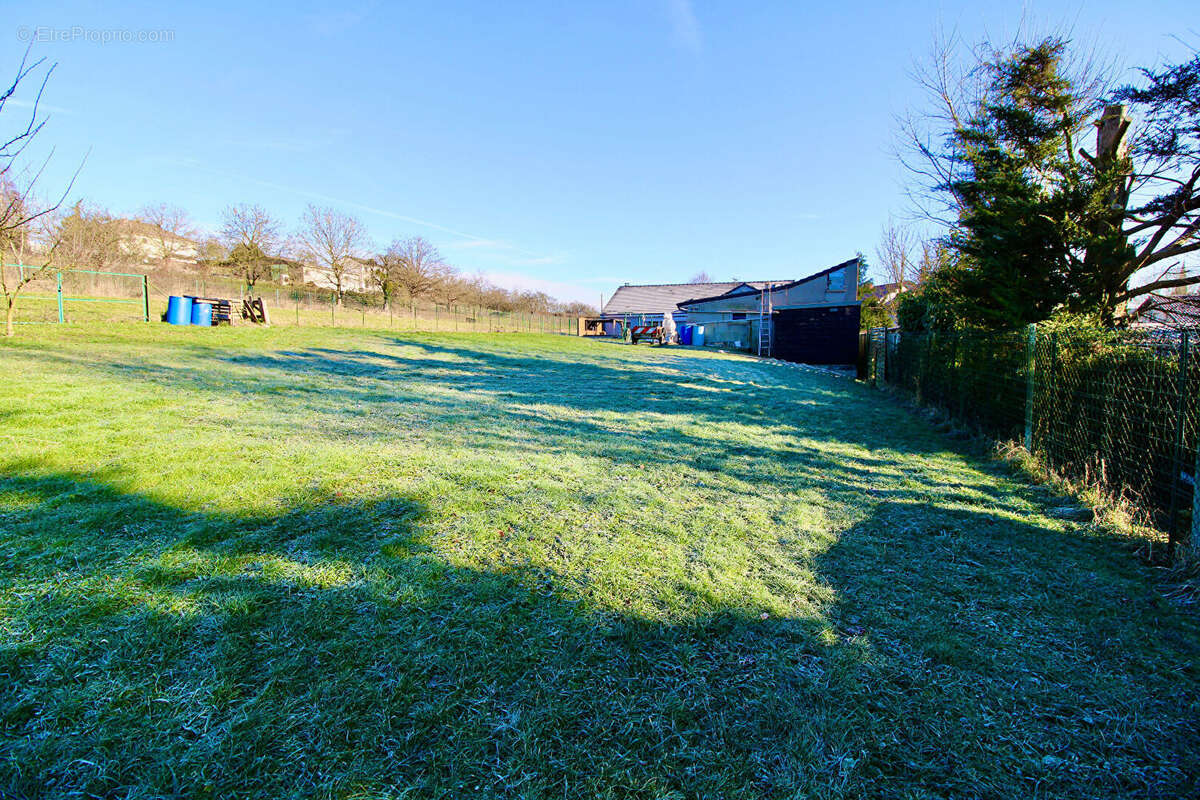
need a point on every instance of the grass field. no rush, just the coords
(326, 563)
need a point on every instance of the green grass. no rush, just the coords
(326, 563)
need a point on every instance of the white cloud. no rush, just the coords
(685, 29)
(41, 107)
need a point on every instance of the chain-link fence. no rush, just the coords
(95, 296)
(1118, 410)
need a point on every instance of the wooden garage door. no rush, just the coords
(817, 335)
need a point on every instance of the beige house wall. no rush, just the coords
(836, 288)
(354, 279)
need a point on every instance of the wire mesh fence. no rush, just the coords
(1119, 410)
(96, 296)
(314, 306)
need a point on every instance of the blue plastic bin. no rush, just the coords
(202, 314)
(179, 310)
(698, 336)
(685, 334)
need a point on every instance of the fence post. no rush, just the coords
(145, 298)
(1030, 360)
(62, 317)
(880, 344)
(1194, 542)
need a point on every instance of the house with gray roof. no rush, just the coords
(650, 301)
(814, 319)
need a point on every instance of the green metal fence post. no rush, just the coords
(1030, 357)
(1050, 387)
(61, 317)
(145, 298)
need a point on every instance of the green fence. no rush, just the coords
(1119, 410)
(80, 295)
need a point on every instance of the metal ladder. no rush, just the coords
(764, 322)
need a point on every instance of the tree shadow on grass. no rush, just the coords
(335, 650)
(655, 412)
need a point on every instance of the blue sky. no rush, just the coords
(568, 147)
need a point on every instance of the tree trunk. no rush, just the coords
(1105, 259)
(8, 318)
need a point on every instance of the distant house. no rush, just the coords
(887, 292)
(647, 303)
(814, 320)
(1178, 312)
(149, 244)
(355, 278)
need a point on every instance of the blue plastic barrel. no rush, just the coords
(698, 336)
(685, 334)
(202, 314)
(179, 310)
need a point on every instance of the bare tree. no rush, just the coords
(452, 289)
(209, 253)
(251, 235)
(22, 215)
(331, 239)
(895, 253)
(419, 265)
(172, 228)
(578, 309)
(701, 277)
(87, 237)
(382, 275)
(934, 255)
